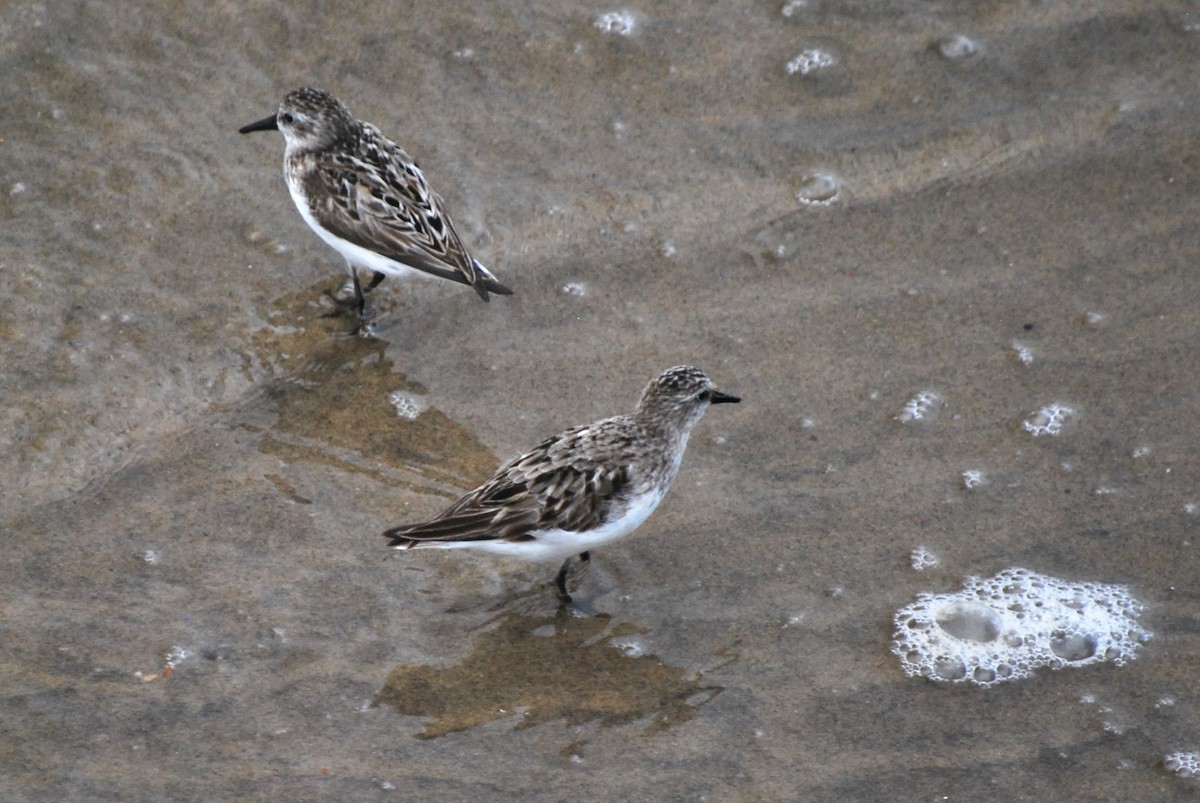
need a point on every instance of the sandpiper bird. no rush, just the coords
(580, 489)
(366, 197)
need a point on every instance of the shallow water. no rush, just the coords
(196, 601)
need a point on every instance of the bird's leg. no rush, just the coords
(358, 301)
(360, 298)
(376, 279)
(567, 605)
(360, 292)
(560, 580)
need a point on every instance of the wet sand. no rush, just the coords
(196, 603)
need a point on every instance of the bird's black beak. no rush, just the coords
(265, 124)
(723, 398)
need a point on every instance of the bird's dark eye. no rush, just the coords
(287, 118)
(705, 395)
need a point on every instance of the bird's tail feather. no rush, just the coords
(488, 282)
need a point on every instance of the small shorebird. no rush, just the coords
(365, 196)
(581, 489)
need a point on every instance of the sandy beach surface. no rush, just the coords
(898, 230)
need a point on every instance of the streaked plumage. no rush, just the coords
(365, 196)
(580, 489)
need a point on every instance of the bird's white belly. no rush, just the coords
(355, 255)
(557, 545)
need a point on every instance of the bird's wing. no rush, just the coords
(541, 490)
(383, 203)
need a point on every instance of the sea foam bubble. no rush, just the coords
(810, 61)
(1007, 626)
(1183, 763)
(923, 407)
(618, 23)
(408, 405)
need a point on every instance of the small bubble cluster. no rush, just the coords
(1024, 353)
(1049, 420)
(809, 61)
(631, 647)
(176, 655)
(1007, 626)
(1183, 764)
(819, 189)
(408, 406)
(792, 7)
(923, 558)
(957, 47)
(617, 23)
(925, 406)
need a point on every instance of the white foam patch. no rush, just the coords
(408, 406)
(1024, 353)
(793, 7)
(818, 189)
(923, 558)
(810, 61)
(972, 478)
(632, 647)
(957, 46)
(619, 23)
(1007, 626)
(925, 406)
(177, 655)
(1049, 420)
(1183, 764)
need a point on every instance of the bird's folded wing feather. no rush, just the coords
(528, 494)
(390, 208)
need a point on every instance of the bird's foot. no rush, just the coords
(352, 306)
(345, 305)
(566, 602)
(579, 609)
